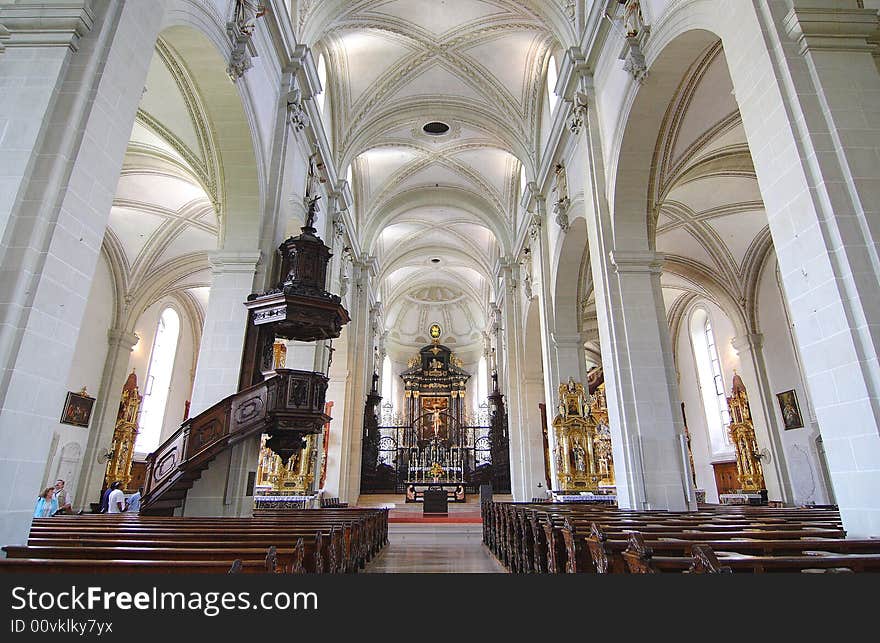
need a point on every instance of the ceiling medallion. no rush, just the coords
(435, 128)
(436, 131)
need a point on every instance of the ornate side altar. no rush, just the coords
(124, 434)
(742, 434)
(583, 445)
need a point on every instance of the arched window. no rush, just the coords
(158, 382)
(552, 77)
(522, 179)
(711, 380)
(322, 77)
(387, 383)
(349, 175)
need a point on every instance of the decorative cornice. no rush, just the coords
(637, 261)
(121, 339)
(573, 68)
(747, 342)
(44, 24)
(821, 29)
(234, 261)
(305, 71)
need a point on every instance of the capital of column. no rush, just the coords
(567, 341)
(573, 69)
(45, 24)
(831, 29)
(234, 261)
(122, 340)
(625, 261)
(747, 342)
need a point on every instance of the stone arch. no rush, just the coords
(632, 181)
(567, 276)
(203, 47)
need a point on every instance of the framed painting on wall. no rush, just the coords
(791, 412)
(77, 408)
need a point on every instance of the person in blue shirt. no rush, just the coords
(105, 499)
(134, 502)
(47, 504)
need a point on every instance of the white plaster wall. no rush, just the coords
(784, 373)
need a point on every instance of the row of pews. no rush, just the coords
(583, 538)
(312, 541)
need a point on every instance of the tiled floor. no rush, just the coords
(436, 549)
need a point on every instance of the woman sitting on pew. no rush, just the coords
(47, 504)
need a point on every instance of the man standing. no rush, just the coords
(116, 501)
(134, 502)
(64, 504)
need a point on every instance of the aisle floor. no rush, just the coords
(435, 549)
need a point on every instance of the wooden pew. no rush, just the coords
(640, 559)
(334, 540)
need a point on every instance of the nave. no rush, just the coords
(263, 256)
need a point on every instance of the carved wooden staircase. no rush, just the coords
(289, 404)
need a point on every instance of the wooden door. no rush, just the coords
(726, 480)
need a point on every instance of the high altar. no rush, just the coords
(434, 390)
(583, 442)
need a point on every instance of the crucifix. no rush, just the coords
(330, 357)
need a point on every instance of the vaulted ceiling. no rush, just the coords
(437, 210)
(164, 216)
(710, 219)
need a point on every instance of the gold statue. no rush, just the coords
(296, 477)
(742, 434)
(124, 434)
(576, 431)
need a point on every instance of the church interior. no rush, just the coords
(525, 286)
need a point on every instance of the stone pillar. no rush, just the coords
(69, 101)
(344, 471)
(226, 319)
(640, 383)
(818, 118)
(222, 489)
(526, 442)
(753, 371)
(116, 371)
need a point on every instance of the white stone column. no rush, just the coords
(65, 127)
(226, 319)
(641, 385)
(346, 436)
(526, 442)
(116, 371)
(753, 371)
(644, 392)
(222, 489)
(814, 135)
